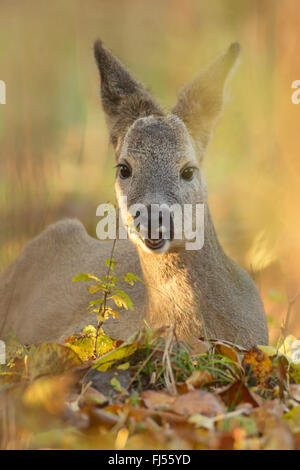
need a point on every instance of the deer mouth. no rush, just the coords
(154, 244)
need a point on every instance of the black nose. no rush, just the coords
(160, 224)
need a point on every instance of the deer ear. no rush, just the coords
(201, 102)
(123, 98)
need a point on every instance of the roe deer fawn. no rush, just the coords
(159, 161)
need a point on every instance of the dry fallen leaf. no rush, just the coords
(222, 441)
(237, 393)
(140, 414)
(279, 438)
(198, 402)
(157, 400)
(227, 351)
(199, 346)
(199, 378)
(268, 416)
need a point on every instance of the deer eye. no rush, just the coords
(188, 173)
(125, 171)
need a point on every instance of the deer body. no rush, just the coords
(199, 292)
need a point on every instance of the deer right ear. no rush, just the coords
(123, 98)
(200, 102)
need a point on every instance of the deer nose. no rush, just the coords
(160, 223)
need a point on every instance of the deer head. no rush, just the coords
(159, 155)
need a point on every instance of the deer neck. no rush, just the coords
(177, 283)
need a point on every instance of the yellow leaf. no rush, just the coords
(258, 364)
(270, 351)
(119, 301)
(293, 419)
(51, 358)
(48, 393)
(106, 361)
(95, 288)
(84, 343)
(124, 366)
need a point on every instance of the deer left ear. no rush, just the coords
(123, 98)
(201, 102)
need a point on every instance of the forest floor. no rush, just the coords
(151, 392)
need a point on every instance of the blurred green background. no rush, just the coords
(55, 160)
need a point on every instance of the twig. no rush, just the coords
(243, 410)
(103, 306)
(142, 367)
(168, 375)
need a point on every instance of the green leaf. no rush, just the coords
(108, 360)
(107, 285)
(110, 278)
(116, 385)
(96, 302)
(94, 310)
(123, 298)
(131, 278)
(230, 423)
(134, 399)
(110, 263)
(124, 366)
(85, 277)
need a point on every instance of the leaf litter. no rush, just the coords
(150, 392)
